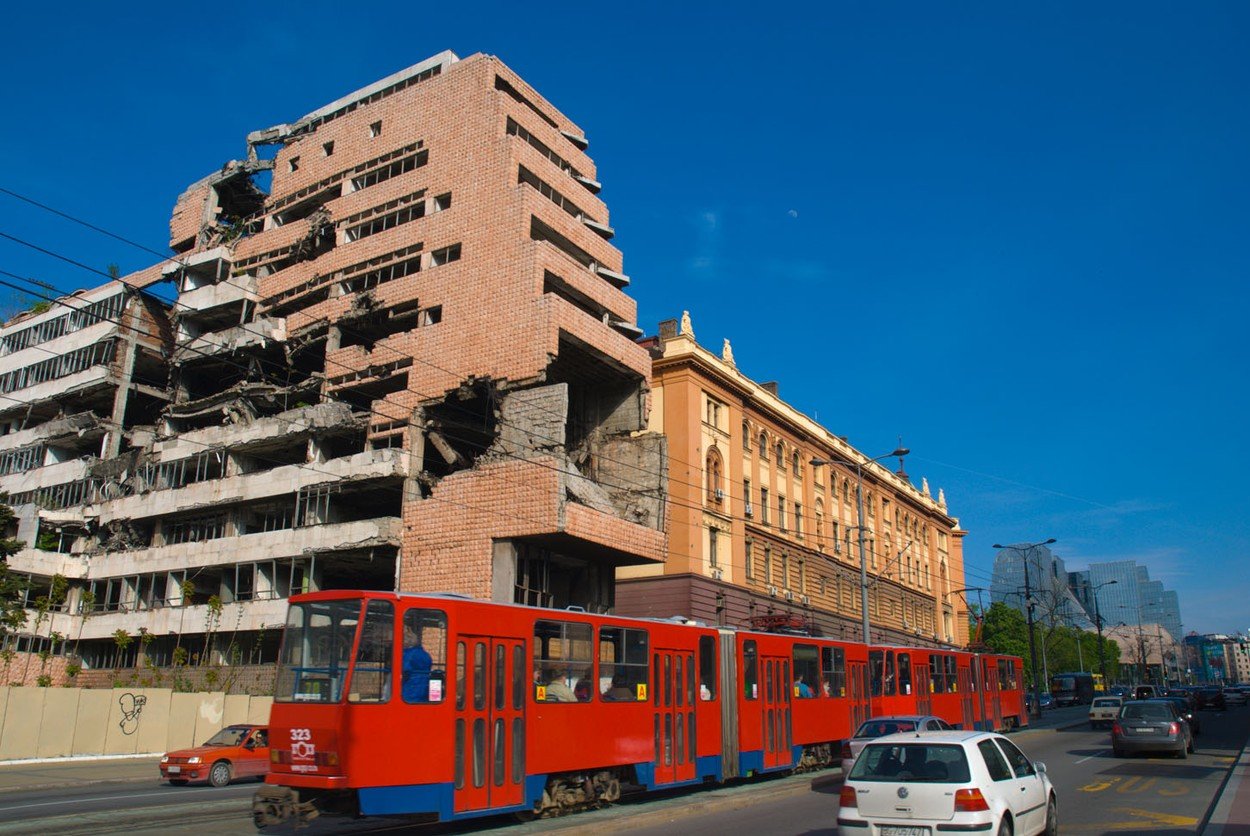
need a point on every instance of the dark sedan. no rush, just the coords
(1151, 726)
(1211, 698)
(1184, 709)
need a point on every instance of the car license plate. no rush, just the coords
(1140, 730)
(174, 770)
(889, 830)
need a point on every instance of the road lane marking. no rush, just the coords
(1173, 791)
(1101, 785)
(1159, 819)
(1135, 785)
(63, 802)
(1091, 757)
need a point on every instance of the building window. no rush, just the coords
(375, 129)
(712, 558)
(749, 560)
(768, 565)
(293, 164)
(446, 255)
(762, 446)
(715, 493)
(796, 463)
(764, 505)
(713, 412)
(785, 570)
(802, 576)
(780, 450)
(846, 491)
(798, 519)
(781, 512)
(746, 498)
(746, 437)
(327, 148)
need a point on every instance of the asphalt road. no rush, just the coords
(1097, 793)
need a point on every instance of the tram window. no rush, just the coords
(425, 656)
(904, 673)
(750, 671)
(563, 661)
(937, 674)
(876, 668)
(371, 677)
(623, 664)
(460, 689)
(833, 668)
(707, 667)
(952, 675)
(501, 679)
(479, 677)
(690, 679)
(889, 673)
(806, 671)
(518, 677)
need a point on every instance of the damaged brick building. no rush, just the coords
(409, 363)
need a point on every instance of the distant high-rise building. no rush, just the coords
(1053, 601)
(1134, 598)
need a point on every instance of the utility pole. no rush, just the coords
(1027, 550)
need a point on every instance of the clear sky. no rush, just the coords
(1012, 234)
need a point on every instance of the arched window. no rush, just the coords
(796, 463)
(746, 436)
(763, 446)
(781, 456)
(846, 491)
(715, 466)
(820, 523)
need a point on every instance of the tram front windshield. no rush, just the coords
(316, 651)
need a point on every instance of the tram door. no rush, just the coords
(966, 693)
(674, 699)
(859, 693)
(776, 712)
(490, 722)
(924, 689)
(993, 702)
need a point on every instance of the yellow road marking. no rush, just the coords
(1135, 785)
(1157, 819)
(1100, 786)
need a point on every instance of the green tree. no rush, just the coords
(1005, 631)
(12, 587)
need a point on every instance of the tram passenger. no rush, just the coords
(619, 692)
(416, 671)
(558, 689)
(801, 689)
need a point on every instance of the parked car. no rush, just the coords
(1212, 698)
(1234, 696)
(240, 751)
(949, 781)
(1104, 710)
(881, 726)
(1150, 726)
(1184, 709)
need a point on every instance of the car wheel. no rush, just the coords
(1052, 818)
(1005, 828)
(219, 775)
(177, 782)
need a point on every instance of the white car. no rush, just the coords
(954, 781)
(880, 726)
(1104, 710)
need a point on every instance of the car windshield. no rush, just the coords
(880, 728)
(923, 762)
(316, 650)
(229, 736)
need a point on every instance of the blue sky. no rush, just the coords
(1013, 234)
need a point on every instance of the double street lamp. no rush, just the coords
(859, 513)
(1102, 655)
(1026, 550)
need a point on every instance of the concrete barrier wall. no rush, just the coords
(66, 722)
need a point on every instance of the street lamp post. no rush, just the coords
(1027, 550)
(1102, 655)
(859, 513)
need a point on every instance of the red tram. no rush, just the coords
(438, 705)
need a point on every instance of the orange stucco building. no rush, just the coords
(758, 535)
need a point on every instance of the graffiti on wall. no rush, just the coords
(132, 707)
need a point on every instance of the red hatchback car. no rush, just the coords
(234, 752)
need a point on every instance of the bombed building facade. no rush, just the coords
(409, 364)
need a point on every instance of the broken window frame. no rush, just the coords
(312, 504)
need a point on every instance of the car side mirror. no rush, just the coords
(1040, 767)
